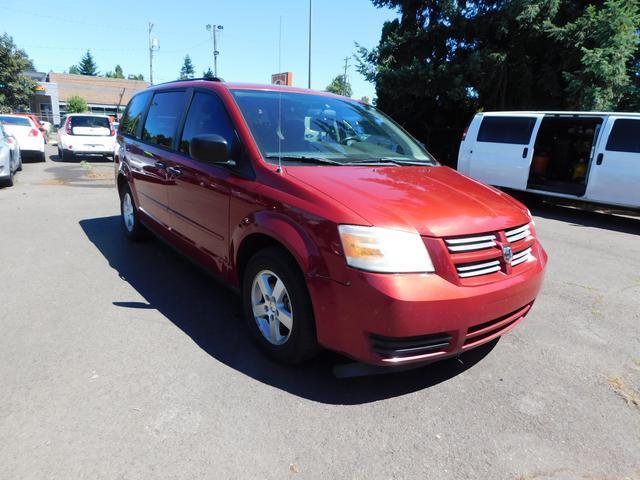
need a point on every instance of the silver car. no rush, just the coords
(10, 159)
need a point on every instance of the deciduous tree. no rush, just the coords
(15, 88)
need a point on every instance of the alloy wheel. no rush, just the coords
(271, 305)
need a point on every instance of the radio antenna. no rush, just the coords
(280, 136)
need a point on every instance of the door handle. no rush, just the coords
(161, 165)
(599, 159)
(175, 171)
(525, 152)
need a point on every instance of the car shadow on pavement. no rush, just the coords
(79, 158)
(210, 314)
(588, 217)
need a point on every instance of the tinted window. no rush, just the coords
(21, 121)
(92, 122)
(163, 117)
(625, 136)
(207, 115)
(506, 130)
(129, 125)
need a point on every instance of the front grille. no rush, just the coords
(484, 332)
(395, 347)
(481, 254)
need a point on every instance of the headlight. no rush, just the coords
(384, 250)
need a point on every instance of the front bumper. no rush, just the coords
(391, 319)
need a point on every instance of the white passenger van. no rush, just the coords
(590, 156)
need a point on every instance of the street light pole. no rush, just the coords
(150, 55)
(154, 46)
(214, 31)
(309, 76)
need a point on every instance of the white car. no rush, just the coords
(30, 140)
(587, 156)
(86, 134)
(10, 159)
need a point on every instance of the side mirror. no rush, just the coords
(209, 148)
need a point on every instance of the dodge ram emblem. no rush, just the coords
(507, 253)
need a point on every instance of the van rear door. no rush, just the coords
(614, 177)
(502, 152)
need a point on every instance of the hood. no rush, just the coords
(435, 201)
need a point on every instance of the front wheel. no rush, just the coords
(277, 307)
(133, 229)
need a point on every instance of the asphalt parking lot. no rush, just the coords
(123, 361)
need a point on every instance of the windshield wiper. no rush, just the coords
(303, 159)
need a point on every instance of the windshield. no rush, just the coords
(21, 121)
(303, 126)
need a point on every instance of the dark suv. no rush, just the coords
(339, 229)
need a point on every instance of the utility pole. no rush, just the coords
(153, 47)
(214, 32)
(309, 77)
(344, 78)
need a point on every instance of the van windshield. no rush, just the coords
(307, 127)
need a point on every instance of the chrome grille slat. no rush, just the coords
(471, 246)
(478, 266)
(456, 241)
(521, 257)
(476, 273)
(519, 233)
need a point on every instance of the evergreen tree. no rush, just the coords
(87, 66)
(208, 74)
(441, 61)
(15, 89)
(117, 73)
(187, 70)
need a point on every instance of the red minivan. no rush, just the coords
(337, 227)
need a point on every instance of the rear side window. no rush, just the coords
(163, 117)
(130, 122)
(20, 121)
(516, 130)
(625, 136)
(207, 115)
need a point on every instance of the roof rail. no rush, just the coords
(210, 79)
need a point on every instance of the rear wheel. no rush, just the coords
(19, 169)
(133, 229)
(277, 307)
(41, 157)
(64, 154)
(8, 182)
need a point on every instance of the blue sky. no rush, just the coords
(56, 34)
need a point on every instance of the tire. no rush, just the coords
(286, 345)
(7, 182)
(133, 229)
(19, 169)
(64, 155)
(41, 157)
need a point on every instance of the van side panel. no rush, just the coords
(502, 149)
(466, 146)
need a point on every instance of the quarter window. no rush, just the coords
(515, 130)
(163, 117)
(625, 136)
(130, 122)
(207, 115)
